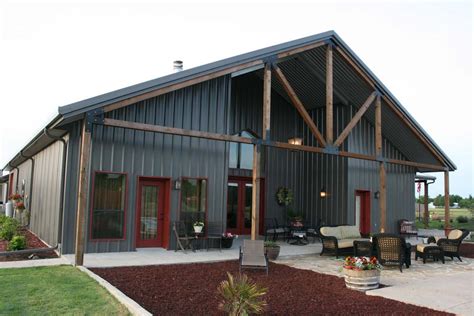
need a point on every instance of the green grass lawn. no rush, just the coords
(437, 219)
(60, 290)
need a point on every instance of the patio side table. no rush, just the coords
(362, 248)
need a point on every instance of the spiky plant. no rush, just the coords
(241, 296)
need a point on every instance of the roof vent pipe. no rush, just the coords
(177, 65)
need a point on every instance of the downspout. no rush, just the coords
(32, 172)
(61, 200)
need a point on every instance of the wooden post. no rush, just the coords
(329, 96)
(446, 203)
(382, 171)
(267, 92)
(82, 193)
(426, 215)
(255, 191)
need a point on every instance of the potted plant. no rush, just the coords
(362, 273)
(198, 225)
(228, 239)
(272, 249)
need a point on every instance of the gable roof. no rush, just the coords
(76, 110)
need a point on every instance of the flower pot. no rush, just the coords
(198, 229)
(227, 242)
(272, 252)
(362, 280)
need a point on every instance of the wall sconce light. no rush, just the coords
(295, 141)
(377, 195)
(323, 194)
(177, 185)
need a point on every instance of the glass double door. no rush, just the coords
(239, 205)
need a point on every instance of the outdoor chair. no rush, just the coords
(273, 229)
(313, 231)
(252, 255)
(407, 228)
(392, 249)
(182, 239)
(214, 234)
(451, 244)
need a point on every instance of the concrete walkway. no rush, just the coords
(157, 256)
(34, 263)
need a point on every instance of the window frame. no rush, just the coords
(125, 208)
(253, 135)
(207, 199)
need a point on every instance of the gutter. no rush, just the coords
(62, 188)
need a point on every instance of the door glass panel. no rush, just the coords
(232, 204)
(357, 211)
(149, 212)
(248, 206)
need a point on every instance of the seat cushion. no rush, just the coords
(332, 231)
(349, 232)
(455, 234)
(422, 247)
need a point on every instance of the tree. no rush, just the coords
(438, 200)
(421, 200)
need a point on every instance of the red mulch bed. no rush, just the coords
(191, 289)
(32, 242)
(467, 250)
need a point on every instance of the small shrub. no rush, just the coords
(462, 219)
(9, 228)
(441, 226)
(241, 296)
(270, 244)
(17, 243)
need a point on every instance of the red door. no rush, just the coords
(152, 214)
(362, 211)
(239, 205)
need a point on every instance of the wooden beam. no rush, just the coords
(180, 85)
(383, 198)
(84, 162)
(176, 131)
(329, 96)
(446, 203)
(426, 214)
(378, 127)
(300, 49)
(267, 93)
(255, 191)
(415, 164)
(355, 120)
(299, 106)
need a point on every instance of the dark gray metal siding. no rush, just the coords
(364, 175)
(201, 107)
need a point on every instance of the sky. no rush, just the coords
(53, 53)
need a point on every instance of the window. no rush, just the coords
(193, 201)
(108, 209)
(241, 155)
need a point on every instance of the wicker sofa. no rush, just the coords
(339, 240)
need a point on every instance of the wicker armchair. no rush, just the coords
(451, 244)
(392, 249)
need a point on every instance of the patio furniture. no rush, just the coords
(252, 255)
(313, 231)
(273, 229)
(452, 244)
(429, 251)
(182, 239)
(214, 234)
(392, 249)
(298, 237)
(363, 248)
(339, 240)
(407, 228)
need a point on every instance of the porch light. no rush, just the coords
(377, 195)
(177, 185)
(295, 141)
(323, 193)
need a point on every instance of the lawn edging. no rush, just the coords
(132, 306)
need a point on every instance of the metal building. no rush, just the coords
(216, 142)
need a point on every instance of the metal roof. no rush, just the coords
(349, 88)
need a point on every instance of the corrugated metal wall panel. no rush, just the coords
(364, 175)
(136, 153)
